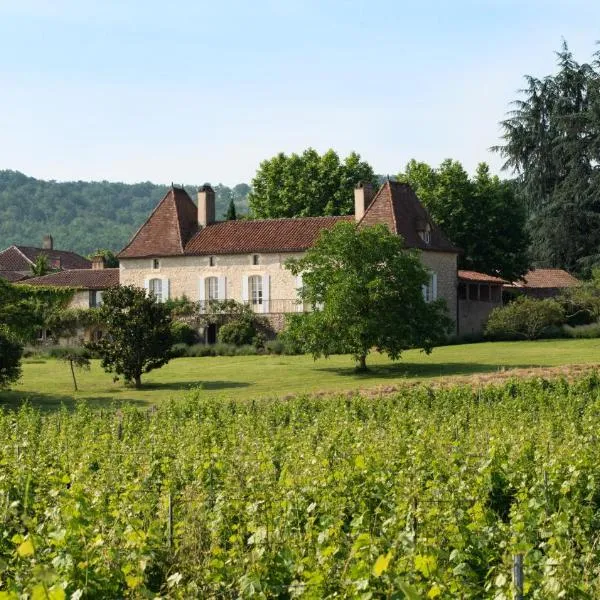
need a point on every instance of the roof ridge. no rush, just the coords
(21, 253)
(139, 229)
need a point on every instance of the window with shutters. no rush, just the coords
(255, 289)
(429, 291)
(211, 288)
(155, 289)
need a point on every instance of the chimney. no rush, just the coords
(363, 194)
(97, 262)
(206, 205)
(48, 243)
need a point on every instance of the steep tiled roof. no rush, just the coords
(475, 277)
(88, 279)
(168, 228)
(12, 276)
(547, 278)
(268, 235)
(397, 205)
(20, 258)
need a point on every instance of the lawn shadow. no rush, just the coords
(408, 370)
(192, 385)
(13, 400)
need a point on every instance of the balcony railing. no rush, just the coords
(271, 306)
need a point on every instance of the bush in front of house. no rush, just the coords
(239, 332)
(525, 318)
(182, 333)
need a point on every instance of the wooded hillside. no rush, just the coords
(83, 216)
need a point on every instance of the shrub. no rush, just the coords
(238, 332)
(182, 333)
(10, 359)
(524, 318)
(583, 331)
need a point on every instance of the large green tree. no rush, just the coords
(366, 290)
(481, 215)
(138, 333)
(552, 142)
(307, 185)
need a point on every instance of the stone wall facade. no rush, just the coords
(185, 275)
(444, 265)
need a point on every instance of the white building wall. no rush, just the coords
(184, 274)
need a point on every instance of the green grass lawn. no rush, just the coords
(48, 384)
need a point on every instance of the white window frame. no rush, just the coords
(156, 290)
(255, 290)
(430, 288)
(211, 291)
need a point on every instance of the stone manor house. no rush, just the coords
(181, 250)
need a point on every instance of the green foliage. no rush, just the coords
(483, 216)
(307, 185)
(524, 318)
(231, 214)
(110, 260)
(182, 333)
(239, 332)
(429, 491)
(138, 333)
(41, 266)
(83, 216)
(551, 141)
(582, 303)
(366, 289)
(11, 351)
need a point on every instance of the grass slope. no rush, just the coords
(47, 383)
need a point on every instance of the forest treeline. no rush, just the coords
(85, 215)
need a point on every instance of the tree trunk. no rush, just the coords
(362, 363)
(138, 382)
(73, 374)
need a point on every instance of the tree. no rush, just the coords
(552, 142)
(41, 266)
(76, 359)
(482, 216)
(11, 351)
(231, 215)
(138, 333)
(366, 290)
(110, 260)
(307, 185)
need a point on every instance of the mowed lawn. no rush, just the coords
(48, 383)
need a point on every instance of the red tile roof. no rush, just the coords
(397, 205)
(475, 277)
(12, 276)
(88, 279)
(268, 235)
(20, 258)
(171, 229)
(168, 228)
(547, 278)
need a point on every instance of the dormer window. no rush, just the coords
(425, 236)
(155, 264)
(424, 231)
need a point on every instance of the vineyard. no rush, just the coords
(425, 494)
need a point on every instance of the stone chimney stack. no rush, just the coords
(363, 194)
(206, 205)
(48, 243)
(97, 262)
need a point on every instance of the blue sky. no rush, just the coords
(200, 91)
